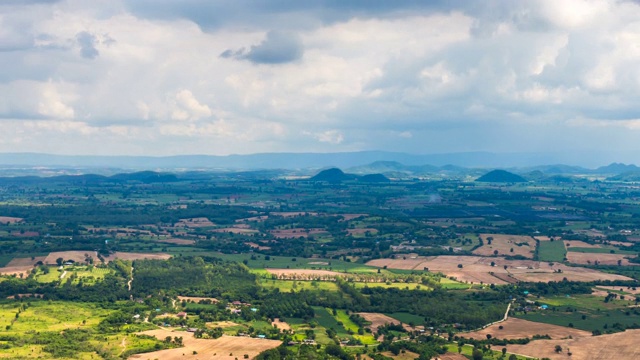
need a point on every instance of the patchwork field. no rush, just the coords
(477, 269)
(605, 347)
(224, 348)
(518, 329)
(510, 245)
(377, 320)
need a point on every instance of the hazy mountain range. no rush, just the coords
(391, 164)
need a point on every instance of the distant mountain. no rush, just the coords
(374, 178)
(342, 160)
(333, 175)
(501, 176)
(561, 169)
(617, 168)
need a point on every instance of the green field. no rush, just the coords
(607, 250)
(468, 349)
(389, 285)
(551, 251)
(298, 285)
(407, 318)
(593, 321)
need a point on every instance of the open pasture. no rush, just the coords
(514, 328)
(223, 348)
(177, 241)
(552, 251)
(605, 347)
(510, 245)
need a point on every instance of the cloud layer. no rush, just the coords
(168, 77)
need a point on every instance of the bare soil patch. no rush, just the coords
(26, 261)
(280, 324)
(349, 217)
(76, 256)
(223, 348)
(10, 220)
(258, 246)
(504, 244)
(518, 329)
(377, 319)
(195, 223)
(15, 270)
(602, 259)
(604, 347)
(137, 256)
(621, 288)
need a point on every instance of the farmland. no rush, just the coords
(226, 265)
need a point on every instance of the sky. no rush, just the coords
(160, 77)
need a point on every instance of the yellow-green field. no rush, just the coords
(297, 285)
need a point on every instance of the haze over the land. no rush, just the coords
(159, 77)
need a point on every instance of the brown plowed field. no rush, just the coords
(77, 256)
(604, 347)
(25, 261)
(603, 259)
(519, 329)
(377, 320)
(223, 348)
(505, 243)
(196, 299)
(9, 220)
(137, 256)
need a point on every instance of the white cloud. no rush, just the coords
(347, 78)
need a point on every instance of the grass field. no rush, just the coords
(594, 321)
(407, 318)
(608, 250)
(328, 321)
(298, 285)
(50, 316)
(394, 285)
(551, 251)
(349, 325)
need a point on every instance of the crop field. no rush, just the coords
(377, 320)
(407, 318)
(476, 269)
(136, 256)
(49, 316)
(514, 328)
(328, 321)
(507, 245)
(223, 348)
(551, 251)
(593, 320)
(602, 259)
(349, 325)
(605, 347)
(298, 285)
(76, 256)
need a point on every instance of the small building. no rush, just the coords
(182, 315)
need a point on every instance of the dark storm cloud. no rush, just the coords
(87, 44)
(277, 48)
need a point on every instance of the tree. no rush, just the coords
(558, 349)
(476, 354)
(513, 357)
(59, 261)
(504, 351)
